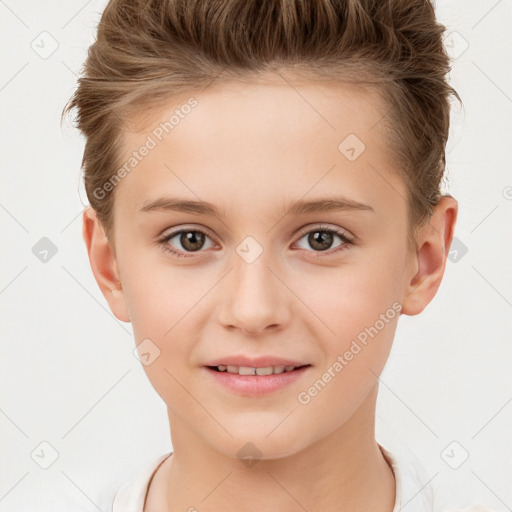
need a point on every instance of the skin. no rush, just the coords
(251, 150)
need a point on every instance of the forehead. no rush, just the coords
(262, 140)
(262, 108)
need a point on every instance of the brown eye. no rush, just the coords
(322, 239)
(192, 240)
(187, 241)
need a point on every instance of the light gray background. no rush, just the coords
(69, 376)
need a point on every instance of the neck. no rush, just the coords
(344, 471)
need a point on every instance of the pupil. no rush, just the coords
(193, 240)
(190, 238)
(320, 240)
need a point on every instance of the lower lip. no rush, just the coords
(256, 385)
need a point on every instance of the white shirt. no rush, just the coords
(131, 497)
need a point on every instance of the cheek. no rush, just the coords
(355, 357)
(162, 302)
(357, 308)
(159, 309)
(351, 297)
(158, 296)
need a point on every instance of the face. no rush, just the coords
(305, 258)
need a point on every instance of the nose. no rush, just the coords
(255, 300)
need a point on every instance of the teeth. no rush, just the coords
(247, 370)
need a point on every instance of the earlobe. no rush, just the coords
(429, 262)
(103, 264)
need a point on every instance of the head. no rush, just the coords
(311, 138)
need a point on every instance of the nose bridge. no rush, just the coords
(254, 299)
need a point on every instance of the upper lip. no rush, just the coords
(254, 362)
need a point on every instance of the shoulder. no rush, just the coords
(131, 496)
(474, 508)
(411, 476)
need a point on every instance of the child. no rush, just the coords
(263, 180)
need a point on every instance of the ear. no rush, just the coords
(429, 261)
(103, 264)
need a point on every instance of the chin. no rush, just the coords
(256, 444)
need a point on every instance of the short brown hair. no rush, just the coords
(146, 51)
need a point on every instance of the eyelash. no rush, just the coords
(347, 242)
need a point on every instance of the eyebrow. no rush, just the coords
(299, 207)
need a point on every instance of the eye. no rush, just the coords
(190, 240)
(321, 239)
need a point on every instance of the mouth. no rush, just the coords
(250, 370)
(251, 381)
